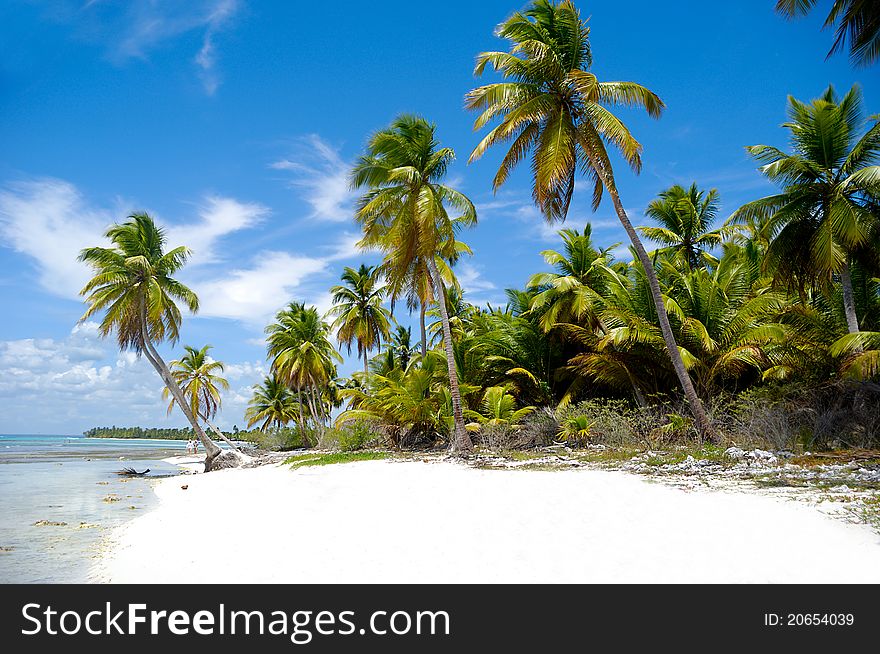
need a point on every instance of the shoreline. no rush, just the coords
(444, 522)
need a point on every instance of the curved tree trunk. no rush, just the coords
(211, 448)
(422, 327)
(702, 420)
(460, 441)
(849, 304)
(219, 433)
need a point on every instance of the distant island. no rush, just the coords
(159, 433)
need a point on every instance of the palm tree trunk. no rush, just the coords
(365, 365)
(311, 397)
(302, 424)
(703, 425)
(461, 441)
(422, 327)
(219, 433)
(849, 304)
(211, 448)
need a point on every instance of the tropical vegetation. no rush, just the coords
(707, 332)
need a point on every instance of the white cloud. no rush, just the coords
(133, 30)
(322, 174)
(218, 218)
(49, 221)
(254, 294)
(477, 289)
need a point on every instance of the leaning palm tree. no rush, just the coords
(357, 306)
(272, 405)
(134, 287)
(199, 378)
(827, 209)
(857, 20)
(551, 105)
(405, 213)
(685, 217)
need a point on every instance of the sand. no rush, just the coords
(409, 522)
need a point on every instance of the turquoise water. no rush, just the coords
(69, 479)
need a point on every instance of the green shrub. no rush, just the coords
(350, 436)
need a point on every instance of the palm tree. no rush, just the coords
(272, 404)
(358, 308)
(405, 213)
(830, 191)
(401, 347)
(857, 20)
(573, 293)
(135, 288)
(685, 217)
(199, 378)
(303, 357)
(552, 106)
(498, 409)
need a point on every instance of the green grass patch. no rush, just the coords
(330, 458)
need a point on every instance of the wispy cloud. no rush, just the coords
(321, 174)
(218, 217)
(49, 221)
(477, 289)
(252, 295)
(134, 30)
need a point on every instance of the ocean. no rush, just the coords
(70, 480)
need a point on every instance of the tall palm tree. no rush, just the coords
(358, 309)
(303, 357)
(199, 378)
(551, 105)
(685, 216)
(405, 213)
(272, 405)
(857, 20)
(830, 182)
(135, 288)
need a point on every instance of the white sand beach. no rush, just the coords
(410, 522)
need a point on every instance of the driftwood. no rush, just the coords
(131, 472)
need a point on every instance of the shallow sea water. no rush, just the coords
(70, 480)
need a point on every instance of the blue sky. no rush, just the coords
(234, 124)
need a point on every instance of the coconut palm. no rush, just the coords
(199, 379)
(573, 293)
(857, 20)
(135, 288)
(304, 358)
(830, 182)
(685, 216)
(514, 351)
(360, 316)
(273, 404)
(498, 409)
(551, 105)
(410, 404)
(405, 213)
(400, 346)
